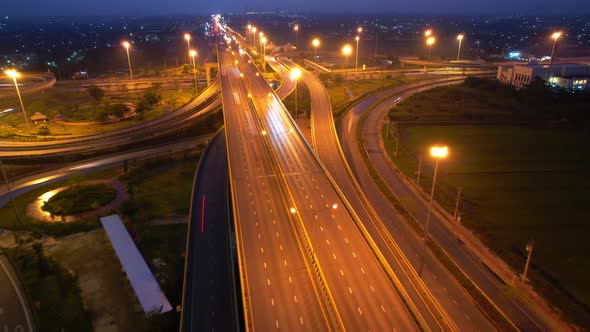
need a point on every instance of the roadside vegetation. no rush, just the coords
(52, 291)
(522, 164)
(79, 198)
(71, 111)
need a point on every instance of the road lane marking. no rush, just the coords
(334, 255)
(350, 290)
(285, 261)
(272, 301)
(290, 280)
(360, 311)
(265, 265)
(328, 241)
(301, 319)
(277, 323)
(363, 271)
(372, 288)
(341, 272)
(295, 298)
(346, 240)
(353, 254)
(382, 308)
(268, 281)
(262, 250)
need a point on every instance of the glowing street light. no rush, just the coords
(292, 210)
(263, 41)
(334, 206)
(295, 75)
(14, 75)
(427, 33)
(555, 36)
(187, 37)
(254, 34)
(193, 54)
(127, 45)
(315, 43)
(437, 152)
(296, 29)
(248, 31)
(359, 30)
(429, 42)
(346, 50)
(460, 39)
(356, 61)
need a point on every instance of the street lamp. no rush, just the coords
(315, 43)
(295, 75)
(555, 36)
(437, 152)
(359, 30)
(263, 40)
(193, 54)
(127, 45)
(296, 29)
(260, 35)
(429, 42)
(460, 39)
(427, 33)
(254, 33)
(187, 37)
(346, 50)
(248, 31)
(14, 75)
(356, 61)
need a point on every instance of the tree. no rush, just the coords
(151, 97)
(118, 110)
(142, 106)
(6, 131)
(95, 92)
(43, 131)
(338, 79)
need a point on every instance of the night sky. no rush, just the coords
(154, 7)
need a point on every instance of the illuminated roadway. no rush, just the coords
(276, 286)
(519, 314)
(360, 289)
(199, 107)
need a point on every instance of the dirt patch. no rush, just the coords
(105, 290)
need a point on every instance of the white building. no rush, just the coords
(566, 75)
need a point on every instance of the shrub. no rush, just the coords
(151, 97)
(43, 131)
(79, 199)
(95, 92)
(118, 110)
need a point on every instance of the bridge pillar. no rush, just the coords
(208, 67)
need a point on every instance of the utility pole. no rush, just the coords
(529, 248)
(457, 202)
(419, 170)
(10, 192)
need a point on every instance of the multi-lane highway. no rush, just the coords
(448, 292)
(360, 289)
(277, 288)
(199, 107)
(522, 316)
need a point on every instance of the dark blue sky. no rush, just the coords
(147, 7)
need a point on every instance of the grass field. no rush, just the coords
(519, 184)
(347, 90)
(77, 106)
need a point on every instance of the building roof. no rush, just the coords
(38, 116)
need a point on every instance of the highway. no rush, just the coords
(467, 260)
(27, 183)
(277, 289)
(197, 108)
(25, 85)
(14, 313)
(209, 301)
(360, 289)
(456, 302)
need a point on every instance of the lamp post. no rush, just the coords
(359, 30)
(429, 42)
(14, 75)
(346, 50)
(261, 34)
(193, 54)
(296, 29)
(254, 34)
(555, 36)
(356, 60)
(264, 40)
(295, 75)
(437, 152)
(187, 37)
(248, 31)
(127, 45)
(460, 39)
(315, 43)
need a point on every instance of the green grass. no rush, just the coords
(8, 218)
(77, 199)
(54, 292)
(519, 184)
(79, 106)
